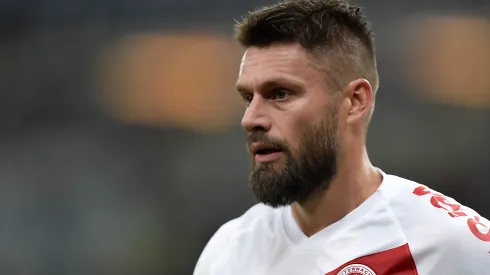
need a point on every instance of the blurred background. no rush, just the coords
(121, 150)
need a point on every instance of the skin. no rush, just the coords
(285, 94)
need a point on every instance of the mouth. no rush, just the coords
(265, 153)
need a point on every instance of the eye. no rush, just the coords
(247, 98)
(280, 94)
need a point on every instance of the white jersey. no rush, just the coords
(404, 228)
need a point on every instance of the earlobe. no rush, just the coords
(361, 97)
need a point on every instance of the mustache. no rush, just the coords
(266, 140)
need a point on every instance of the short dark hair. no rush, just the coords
(324, 28)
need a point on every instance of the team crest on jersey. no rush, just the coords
(356, 269)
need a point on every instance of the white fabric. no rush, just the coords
(394, 232)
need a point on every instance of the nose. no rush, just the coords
(255, 118)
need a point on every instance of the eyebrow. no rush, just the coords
(271, 84)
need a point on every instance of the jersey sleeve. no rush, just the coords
(468, 251)
(214, 249)
(445, 237)
(456, 244)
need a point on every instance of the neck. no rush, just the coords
(354, 182)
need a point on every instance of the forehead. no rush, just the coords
(278, 62)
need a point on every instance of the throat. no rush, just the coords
(312, 222)
(334, 203)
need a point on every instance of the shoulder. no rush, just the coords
(440, 227)
(258, 218)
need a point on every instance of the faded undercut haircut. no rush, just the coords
(334, 33)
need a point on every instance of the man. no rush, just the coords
(309, 79)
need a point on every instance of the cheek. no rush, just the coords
(295, 124)
(296, 134)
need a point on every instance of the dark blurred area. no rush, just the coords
(121, 150)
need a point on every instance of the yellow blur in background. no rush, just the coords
(450, 59)
(180, 79)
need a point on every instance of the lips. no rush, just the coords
(264, 149)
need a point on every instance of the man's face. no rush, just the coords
(291, 119)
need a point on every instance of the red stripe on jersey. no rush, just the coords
(396, 261)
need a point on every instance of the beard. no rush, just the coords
(307, 170)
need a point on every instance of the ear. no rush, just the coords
(361, 98)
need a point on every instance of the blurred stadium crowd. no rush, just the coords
(121, 150)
